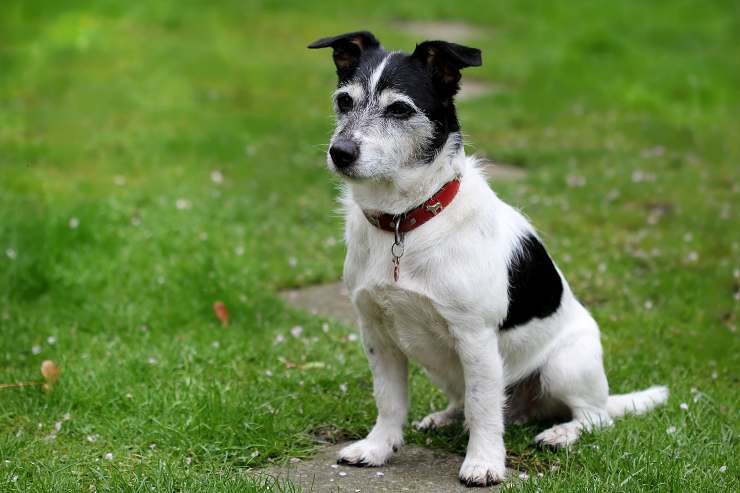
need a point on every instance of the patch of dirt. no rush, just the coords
(503, 172)
(472, 88)
(455, 31)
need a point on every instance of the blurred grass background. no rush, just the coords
(158, 156)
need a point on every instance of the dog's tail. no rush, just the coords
(638, 402)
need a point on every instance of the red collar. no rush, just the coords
(417, 216)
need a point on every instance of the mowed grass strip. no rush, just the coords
(158, 157)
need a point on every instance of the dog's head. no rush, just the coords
(394, 110)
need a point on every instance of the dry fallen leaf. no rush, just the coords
(219, 308)
(50, 371)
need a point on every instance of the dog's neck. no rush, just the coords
(411, 185)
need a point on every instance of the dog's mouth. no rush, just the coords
(349, 172)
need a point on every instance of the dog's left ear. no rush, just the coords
(348, 48)
(445, 60)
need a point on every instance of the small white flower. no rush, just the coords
(67, 417)
(152, 446)
(73, 223)
(255, 454)
(239, 251)
(268, 373)
(58, 426)
(722, 468)
(35, 349)
(215, 344)
(182, 204)
(380, 474)
(188, 460)
(670, 430)
(51, 340)
(14, 478)
(119, 180)
(342, 473)
(352, 337)
(648, 305)
(343, 387)
(135, 221)
(11, 253)
(692, 257)
(292, 261)
(152, 360)
(715, 375)
(688, 237)
(684, 406)
(523, 476)
(108, 456)
(279, 339)
(576, 181)
(325, 328)
(296, 331)
(217, 176)
(92, 438)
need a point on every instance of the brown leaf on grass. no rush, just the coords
(50, 371)
(219, 308)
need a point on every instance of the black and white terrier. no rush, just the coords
(440, 270)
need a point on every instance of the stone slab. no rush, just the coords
(413, 469)
(328, 300)
(455, 31)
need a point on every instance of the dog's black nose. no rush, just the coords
(344, 152)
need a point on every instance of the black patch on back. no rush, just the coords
(535, 287)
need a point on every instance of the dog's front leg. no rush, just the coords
(484, 400)
(390, 375)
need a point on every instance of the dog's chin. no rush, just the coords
(351, 173)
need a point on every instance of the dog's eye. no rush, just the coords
(344, 102)
(399, 109)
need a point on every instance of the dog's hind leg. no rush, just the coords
(573, 376)
(451, 381)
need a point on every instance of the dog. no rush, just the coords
(443, 272)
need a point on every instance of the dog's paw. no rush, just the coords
(475, 472)
(440, 419)
(559, 436)
(366, 453)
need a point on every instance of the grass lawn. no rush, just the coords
(158, 156)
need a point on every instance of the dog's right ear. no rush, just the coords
(348, 48)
